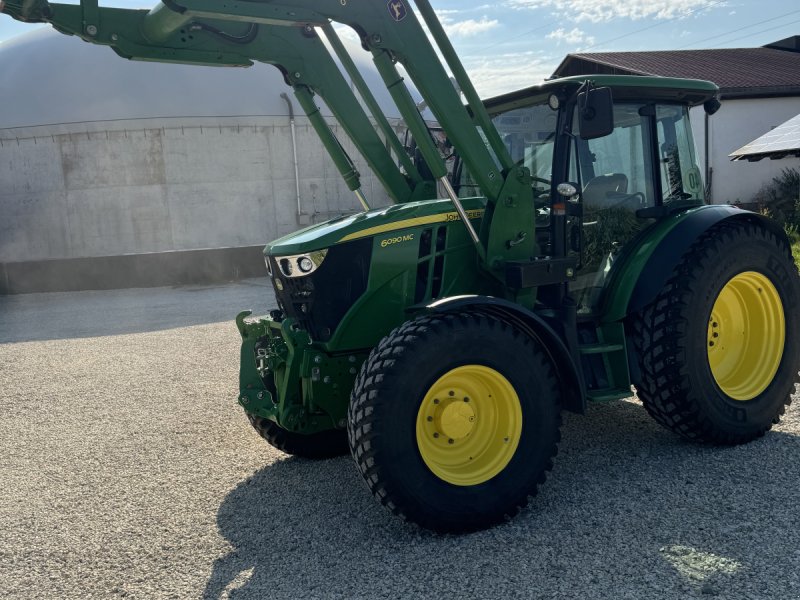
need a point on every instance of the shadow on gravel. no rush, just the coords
(630, 510)
(69, 315)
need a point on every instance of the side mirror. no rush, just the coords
(712, 106)
(595, 112)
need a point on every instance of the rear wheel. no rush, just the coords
(454, 421)
(719, 348)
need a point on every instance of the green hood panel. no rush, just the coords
(374, 222)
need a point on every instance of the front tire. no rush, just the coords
(323, 444)
(719, 348)
(454, 420)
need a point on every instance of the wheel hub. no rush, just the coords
(746, 335)
(469, 425)
(454, 419)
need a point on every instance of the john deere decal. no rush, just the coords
(397, 9)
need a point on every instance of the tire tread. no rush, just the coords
(371, 386)
(657, 330)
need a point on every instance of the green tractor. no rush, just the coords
(572, 257)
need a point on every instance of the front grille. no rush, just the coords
(320, 300)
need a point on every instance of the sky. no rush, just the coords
(509, 44)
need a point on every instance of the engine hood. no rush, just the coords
(374, 222)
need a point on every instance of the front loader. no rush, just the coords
(572, 258)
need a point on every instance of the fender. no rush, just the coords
(570, 376)
(642, 273)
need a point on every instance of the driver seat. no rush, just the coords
(604, 190)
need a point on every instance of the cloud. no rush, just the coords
(605, 10)
(346, 33)
(575, 36)
(468, 27)
(497, 74)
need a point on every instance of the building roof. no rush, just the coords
(780, 142)
(772, 70)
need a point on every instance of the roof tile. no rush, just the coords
(729, 68)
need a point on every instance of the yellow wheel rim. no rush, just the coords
(746, 334)
(469, 425)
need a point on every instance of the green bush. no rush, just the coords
(793, 231)
(780, 198)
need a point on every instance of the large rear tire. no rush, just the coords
(719, 348)
(454, 420)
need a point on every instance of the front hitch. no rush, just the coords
(274, 352)
(254, 396)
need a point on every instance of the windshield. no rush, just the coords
(529, 134)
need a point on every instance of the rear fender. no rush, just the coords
(643, 272)
(570, 377)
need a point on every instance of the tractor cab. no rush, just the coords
(632, 163)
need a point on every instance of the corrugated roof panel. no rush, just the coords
(782, 141)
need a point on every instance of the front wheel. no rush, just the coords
(454, 420)
(323, 444)
(719, 348)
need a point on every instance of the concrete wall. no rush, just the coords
(162, 185)
(737, 123)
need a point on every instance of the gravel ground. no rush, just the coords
(129, 471)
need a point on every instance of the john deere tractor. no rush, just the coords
(572, 257)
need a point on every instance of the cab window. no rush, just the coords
(681, 178)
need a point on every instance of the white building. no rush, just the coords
(104, 162)
(759, 89)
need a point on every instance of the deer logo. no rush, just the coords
(397, 9)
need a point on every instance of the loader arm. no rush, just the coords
(285, 34)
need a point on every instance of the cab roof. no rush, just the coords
(691, 92)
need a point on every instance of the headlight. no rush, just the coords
(301, 265)
(305, 264)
